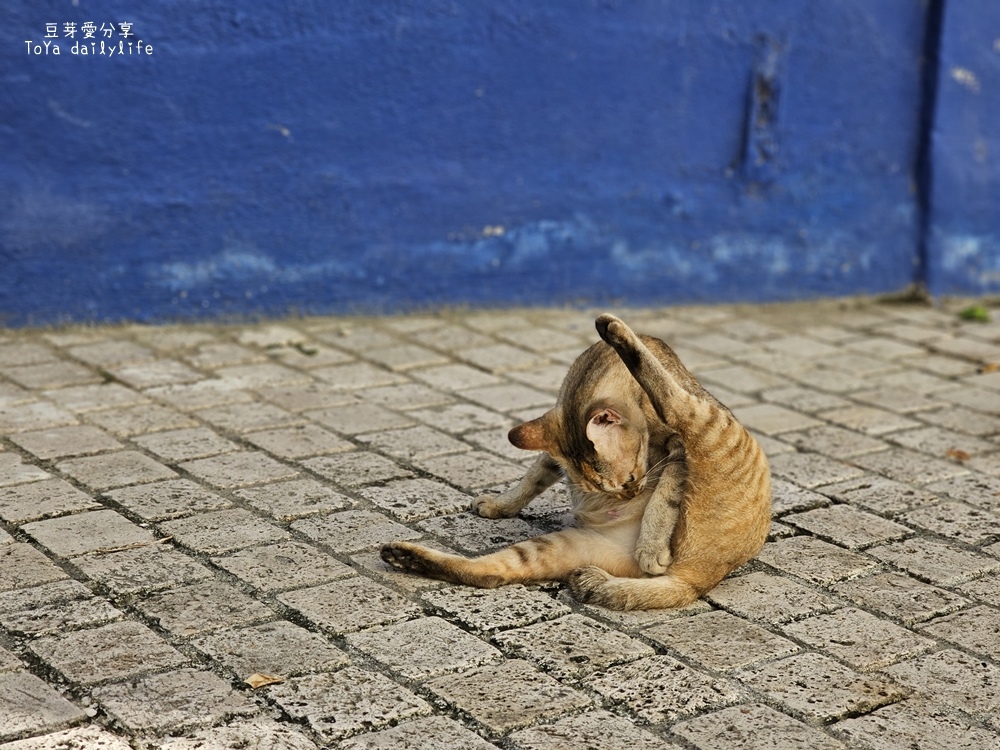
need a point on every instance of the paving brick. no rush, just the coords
(864, 641)
(9, 662)
(129, 421)
(251, 376)
(805, 400)
(934, 561)
(882, 495)
(78, 738)
(300, 441)
(26, 353)
(61, 442)
(424, 648)
(69, 536)
(356, 469)
(238, 469)
(203, 607)
(915, 722)
(110, 352)
(51, 375)
(139, 571)
(174, 498)
(769, 598)
(353, 530)
(955, 679)
(248, 417)
(414, 499)
(14, 471)
(353, 700)
(454, 377)
(473, 469)
(186, 444)
(661, 689)
(900, 597)
(909, 466)
(509, 397)
(310, 396)
(787, 497)
(29, 706)
(57, 617)
(834, 442)
(112, 470)
(38, 500)
(499, 358)
(34, 415)
(288, 501)
(819, 689)
(405, 396)
(742, 379)
(283, 566)
(815, 560)
(974, 526)
(937, 441)
(489, 610)
(414, 444)
(159, 372)
(527, 695)
(463, 418)
(274, 648)
(976, 629)
(199, 395)
(172, 700)
(975, 489)
(223, 531)
(450, 336)
(37, 597)
(212, 355)
(431, 733)
(985, 589)
(22, 565)
(720, 641)
(357, 375)
(964, 420)
(115, 651)
(812, 470)
(359, 418)
(350, 604)
(772, 419)
(753, 726)
(479, 535)
(253, 734)
(899, 399)
(848, 526)
(868, 419)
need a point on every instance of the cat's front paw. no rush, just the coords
(491, 506)
(653, 561)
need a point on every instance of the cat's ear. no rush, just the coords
(536, 435)
(605, 429)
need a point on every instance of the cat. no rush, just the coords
(671, 493)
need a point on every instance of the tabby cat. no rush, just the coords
(670, 492)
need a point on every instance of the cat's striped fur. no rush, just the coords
(671, 493)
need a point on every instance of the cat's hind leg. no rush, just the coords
(543, 474)
(592, 585)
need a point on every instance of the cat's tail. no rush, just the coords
(592, 585)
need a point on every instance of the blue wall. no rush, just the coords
(360, 155)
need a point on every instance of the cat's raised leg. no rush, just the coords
(550, 557)
(652, 550)
(543, 474)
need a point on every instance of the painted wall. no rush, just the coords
(360, 155)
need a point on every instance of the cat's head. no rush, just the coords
(605, 450)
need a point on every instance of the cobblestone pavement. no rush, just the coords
(183, 507)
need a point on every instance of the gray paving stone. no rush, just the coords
(14, 471)
(353, 530)
(110, 352)
(21, 565)
(28, 705)
(742, 378)
(51, 375)
(869, 420)
(115, 651)
(489, 610)
(461, 419)
(203, 607)
(414, 444)
(33, 415)
(806, 400)
(863, 640)
(36, 597)
(975, 489)
(129, 421)
(571, 647)
(62, 442)
(159, 372)
(253, 734)
(300, 441)
(248, 417)
(968, 524)
(38, 500)
(976, 629)
(812, 470)
(915, 722)
(661, 689)
(934, 561)
(900, 597)
(9, 662)
(909, 466)
(200, 395)
(310, 396)
(349, 605)
(273, 648)
(414, 499)
(964, 420)
(527, 695)
(259, 375)
(815, 560)
(239, 469)
(985, 589)
(477, 534)
(882, 495)
(848, 526)
(819, 689)
(357, 375)
(86, 398)
(358, 418)
(356, 469)
(769, 598)
(186, 444)
(472, 469)
(26, 353)
(594, 730)
(720, 641)
(172, 701)
(899, 399)
(431, 733)
(78, 738)
(142, 570)
(69, 536)
(112, 470)
(955, 679)
(299, 498)
(405, 396)
(222, 531)
(753, 726)
(344, 703)
(787, 497)
(57, 617)
(454, 377)
(162, 501)
(937, 441)
(772, 419)
(283, 566)
(835, 442)
(424, 648)
(212, 355)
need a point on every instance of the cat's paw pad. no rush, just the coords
(610, 328)
(405, 557)
(653, 561)
(586, 584)
(491, 506)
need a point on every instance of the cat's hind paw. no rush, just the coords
(411, 558)
(587, 584)
(610, 328)
(491, 506)
(654, 562)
